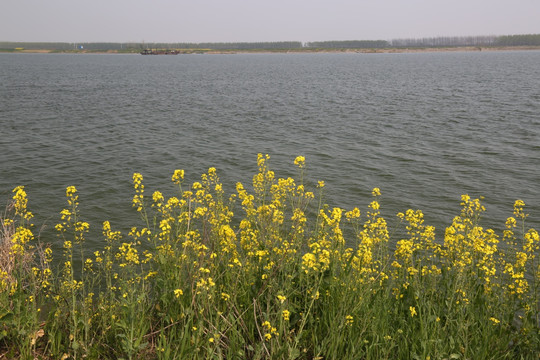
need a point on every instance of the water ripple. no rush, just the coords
(425, 128)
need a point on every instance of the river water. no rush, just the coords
(424, 127)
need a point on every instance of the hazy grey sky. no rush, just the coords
(252, 20)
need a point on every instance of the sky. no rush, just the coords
(196, 21)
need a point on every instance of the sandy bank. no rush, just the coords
(301, 51)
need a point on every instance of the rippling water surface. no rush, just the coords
(425, 128)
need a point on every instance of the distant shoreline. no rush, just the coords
(291, 51)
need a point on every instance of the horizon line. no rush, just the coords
(257, 41)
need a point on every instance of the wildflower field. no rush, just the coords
(269, 272)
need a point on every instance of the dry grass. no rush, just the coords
(7, 261)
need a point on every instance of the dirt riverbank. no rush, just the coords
(296, 51)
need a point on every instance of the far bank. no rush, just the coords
(286, 51)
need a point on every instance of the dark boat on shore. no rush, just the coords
(159, 52)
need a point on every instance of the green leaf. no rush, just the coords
(294, 353)
(6, 316)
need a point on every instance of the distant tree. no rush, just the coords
(441, 41)
(348, 44)
(519, 40)
(445, 41)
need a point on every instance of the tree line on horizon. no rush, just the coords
(441, 41)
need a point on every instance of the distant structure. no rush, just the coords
(159, 52)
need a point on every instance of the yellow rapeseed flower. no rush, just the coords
(518, 209)
(374, 205)
(137, 201)
(128, 254)
(286, 315)
(177, 176)
(309, 262)
(353, 214)
(157, 196)
(300, 161)
(21, 200)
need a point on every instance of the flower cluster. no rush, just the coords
(268, 272)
